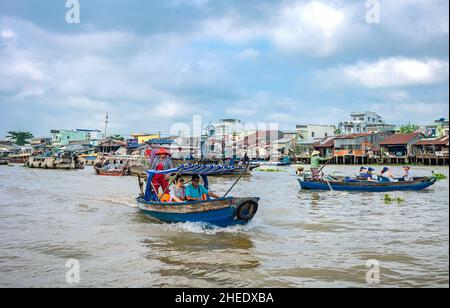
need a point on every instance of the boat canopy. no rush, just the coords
(187, 169)
(191, 169)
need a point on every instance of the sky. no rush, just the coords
(151, 64)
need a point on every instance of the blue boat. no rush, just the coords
(223, 212)
(352, 185)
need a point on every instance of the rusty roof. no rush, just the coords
(327, 143)
(353, 136)
(439, 141)
(399, 139)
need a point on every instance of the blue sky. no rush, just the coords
(153, 63)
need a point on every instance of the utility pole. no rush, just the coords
(106, 129)
(106, 123)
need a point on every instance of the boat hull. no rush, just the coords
(417, 185)
(221, 212)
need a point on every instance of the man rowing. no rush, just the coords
(316, 161)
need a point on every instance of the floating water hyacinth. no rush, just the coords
(388, 199)
(439, 176)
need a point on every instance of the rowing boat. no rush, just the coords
(366, 186)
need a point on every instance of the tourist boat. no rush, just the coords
(3, 162)
(366, 186)
(223, 212)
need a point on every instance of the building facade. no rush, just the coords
(62, 137)
(365, 122)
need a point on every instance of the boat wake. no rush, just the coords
(203, 228)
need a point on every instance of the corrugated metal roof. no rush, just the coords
(400, 139)
(353, 136)
(439, 141)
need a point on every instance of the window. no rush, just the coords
(326, 135)
(313, 134)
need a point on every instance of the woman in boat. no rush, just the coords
(198, 192)
(387, 175)
(178, 191)
(161, 162)
(315, 164)
(408, 176)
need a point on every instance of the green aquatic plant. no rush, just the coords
(388, 199)
(269, 170)
(439, 176)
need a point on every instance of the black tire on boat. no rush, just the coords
(246, 209)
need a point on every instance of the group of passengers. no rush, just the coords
(386, 175)
(178, 193)
(193, 192)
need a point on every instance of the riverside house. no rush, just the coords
(433, 151)
(398, 149)
(356, 148)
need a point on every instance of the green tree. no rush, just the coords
(409, 128)
(19, 138)
(118, 138)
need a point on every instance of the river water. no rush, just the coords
(298, 238)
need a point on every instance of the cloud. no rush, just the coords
(387, 72)
(314, 28)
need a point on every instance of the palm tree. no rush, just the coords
(19, 138)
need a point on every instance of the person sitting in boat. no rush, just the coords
(198, 192)
(161, 162)
(387, 175)
(369, 176)
(315, 164)
(408, 175)
(178, 191)
(362, 172)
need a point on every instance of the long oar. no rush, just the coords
(240, 177)
(324, 165)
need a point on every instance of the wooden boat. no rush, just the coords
(366, 186)
(123, 171)
(112, 167)
(18, 159)
(223, 212)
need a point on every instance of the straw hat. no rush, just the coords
(315, 153)
(162, 151)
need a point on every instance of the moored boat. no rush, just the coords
(222, 212)
(353, 185)
(112, 167)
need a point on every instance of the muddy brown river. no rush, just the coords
(298, 238)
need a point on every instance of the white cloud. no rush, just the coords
(313, 27)
(397, 72)
(387, 72)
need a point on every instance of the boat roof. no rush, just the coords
(191, 169)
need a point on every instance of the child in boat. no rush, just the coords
(198, 192)
(178, 191)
